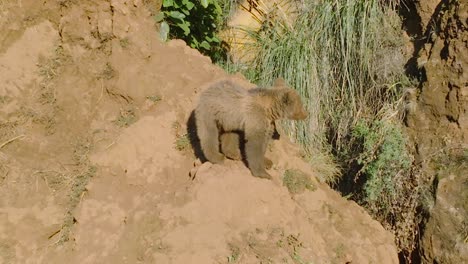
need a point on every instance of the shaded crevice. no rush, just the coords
(412, 24)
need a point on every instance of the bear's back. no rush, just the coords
(226, 102)
(224, 96)
(225, 90)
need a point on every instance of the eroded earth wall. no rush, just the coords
(437, 119)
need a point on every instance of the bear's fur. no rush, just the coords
(226, 111)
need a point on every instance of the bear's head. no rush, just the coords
(290, 103)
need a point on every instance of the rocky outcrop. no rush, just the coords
(438, 122)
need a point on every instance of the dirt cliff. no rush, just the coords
(95, 162)
(438, 122)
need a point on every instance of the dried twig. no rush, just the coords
(11, 140)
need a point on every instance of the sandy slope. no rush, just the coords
(92, 108)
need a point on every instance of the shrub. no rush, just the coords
(195, 22)
(383, 159)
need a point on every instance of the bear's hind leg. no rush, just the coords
(209, 140)
(230, 145)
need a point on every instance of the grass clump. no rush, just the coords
(297, 181)
(82, 172)
(325, 165)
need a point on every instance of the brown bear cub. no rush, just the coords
(225, 109)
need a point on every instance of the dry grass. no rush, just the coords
(82, 172)
(37, 107)
(107, 73)
(55, 180)
(11, 140)
(324, 163)
(291, 244)
(49, 70)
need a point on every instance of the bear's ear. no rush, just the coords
(279, 82)
(286, 98)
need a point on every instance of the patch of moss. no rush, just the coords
(297, 181)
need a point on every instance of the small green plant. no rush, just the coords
(154, 98)
(194, 21)
(126, 118)
(124, 43)
(235, 254)
(182, 143)
(297, 181)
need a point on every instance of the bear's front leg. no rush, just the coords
(255, 147)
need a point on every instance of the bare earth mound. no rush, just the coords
(95, 161)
